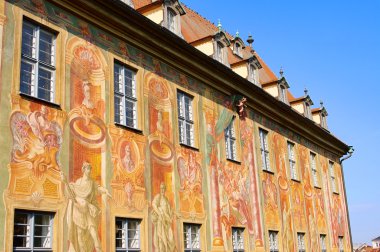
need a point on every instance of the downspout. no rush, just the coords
(350, 152)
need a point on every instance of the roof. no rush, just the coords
(197, 63)
(377, 238)
(141, 3)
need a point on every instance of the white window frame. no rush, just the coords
(314, 171)
(36, 63)
(171, 20)
(322, 241)
(341, 243)
(301, 242)
(125, 232)
(264, 149)
(185, 118)
(308, 110)
(273, 241)
(292, 161)
(332, 176)
(219, 52)
(252, 74)
(230, 140)
(120, 85)
(31, 231)
(238, 239)
(190, 243)
(282, 94)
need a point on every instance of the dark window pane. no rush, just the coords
(20, 241)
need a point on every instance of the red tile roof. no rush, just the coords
(194, 27)
(141, 3)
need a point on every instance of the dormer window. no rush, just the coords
(282, 88)
(323, 121)
(171, 22)
(307, 110)
(221, 42)
(219, 52)
(238, 49)
(172, 11)
(252, 75)
(282, 94)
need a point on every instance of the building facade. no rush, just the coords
(150, 129)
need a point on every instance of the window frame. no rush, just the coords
(264, 150)
(314, 169)
(341, 243)
(301, 245)
(231, 141)
(282, 93)
(123, 96)
(332, 176)
(234, 239)
(181, 117)
(292, 162)
(275, 240)
(31, 222)
(198, 232)
(322, 242)
(125, 222)
(36, 62)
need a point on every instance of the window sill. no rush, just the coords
(336, 193)
(189, 146)
(138, 131)
(317, 187)
(296, 180)
(268, 171)
(234, 161)
(41, 101)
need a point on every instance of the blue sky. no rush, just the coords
(333, 49)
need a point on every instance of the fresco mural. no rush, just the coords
(37, 140)
(147, 173)
(162, 151)
(248, 143)
(83, 211)
(128, 159)
(190, 176)
(280, 150)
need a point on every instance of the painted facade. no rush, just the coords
(69, 158)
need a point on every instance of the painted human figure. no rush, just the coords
(162, 219)
(87, 106)
(83, 212)
(127, 160)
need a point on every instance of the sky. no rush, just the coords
(332, 48)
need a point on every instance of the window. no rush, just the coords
(238, 239)
(292, 161)
(219, 52)
(264, 150)
(125, 96)
(171, 20)
(37, 62)
(341, 244)
(307, 110)
(127, 234)
(252, 74)
(185, 119)
(33, 231)
(332, 176)
(230, 137)
(191, 237)
(323, 121)
(322, 241)
(314, 172)
(301, 242)
(273, 241)
(283, 96)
